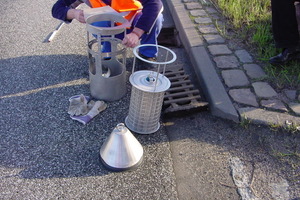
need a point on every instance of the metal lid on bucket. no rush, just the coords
(149, 81)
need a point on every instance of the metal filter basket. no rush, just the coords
(107, 70)
(147, 93)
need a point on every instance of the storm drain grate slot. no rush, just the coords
(182, 95)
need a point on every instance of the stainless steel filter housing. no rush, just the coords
(121, 150)
(147, 94)
(107, 70)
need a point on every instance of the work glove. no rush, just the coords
(78, 105)
(98, 107)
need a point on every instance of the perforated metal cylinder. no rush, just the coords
(146, 101)
(148, 89)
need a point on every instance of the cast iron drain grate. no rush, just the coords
(182, 95)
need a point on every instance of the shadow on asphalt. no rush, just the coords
(38, 138)
(31, 72)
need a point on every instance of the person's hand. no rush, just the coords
(76, 14)
(79, 15)
(131, 40)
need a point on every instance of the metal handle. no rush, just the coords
(136, 55)
(121, 127)
(135, 52)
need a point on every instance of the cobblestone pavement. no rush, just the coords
(235, 85)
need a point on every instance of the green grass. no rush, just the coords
(245, 122)
(251, 20)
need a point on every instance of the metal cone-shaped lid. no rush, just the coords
(121, 150)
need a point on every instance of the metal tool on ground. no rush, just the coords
(121, 151)
(51, 35)
(107, 57)
(147, 94)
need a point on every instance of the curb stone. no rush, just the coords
(219, 101)
(210, 56)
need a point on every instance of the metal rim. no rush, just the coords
(136, 80)
(115, 169)
(135, 52)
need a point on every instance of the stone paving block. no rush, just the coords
(291, 94)
(221, 25)
(232, 44)
(211, 10)
(243, 56)
(295, 107)
(221, 49)
(254, 71)
(197, 13)
(224, 62)
(209, 28)
(274, 104)
(193, 5)
(235, 78)
(212, 39)
(244, 96)
(215, 16)
(263, 90)
(203, 20)
(189, 1)
(262, 116)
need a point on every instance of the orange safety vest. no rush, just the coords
(120, 6)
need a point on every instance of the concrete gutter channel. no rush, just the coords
(228, 100)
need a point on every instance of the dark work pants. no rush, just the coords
(284, 23)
